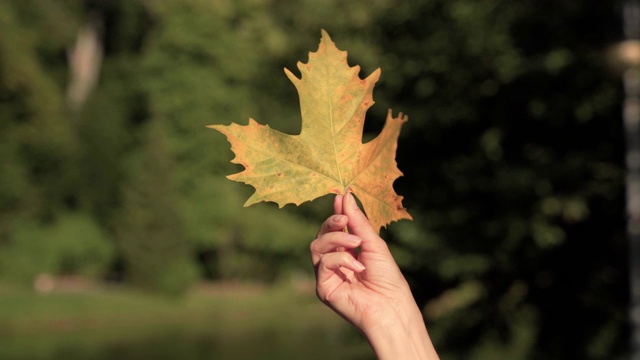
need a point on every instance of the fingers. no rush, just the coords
(358, 223)
(333, 223)
(337, 204)
(332, 242)
(333, 269)
(332, 262)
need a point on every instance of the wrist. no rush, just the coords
(399, 332)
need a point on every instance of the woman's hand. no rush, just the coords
(358, 278)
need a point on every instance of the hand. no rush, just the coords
(342, 282)
(358, 278)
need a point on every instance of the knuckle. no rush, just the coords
(383, 245)
(320, 294)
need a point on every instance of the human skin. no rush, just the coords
(357, 277)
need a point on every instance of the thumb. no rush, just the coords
(358, 223)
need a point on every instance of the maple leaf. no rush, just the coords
(328, 155)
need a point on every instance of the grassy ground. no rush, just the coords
(220, 320)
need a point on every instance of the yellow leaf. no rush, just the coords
(328, 155)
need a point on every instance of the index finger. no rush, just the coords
(337, 204)
(333, 223)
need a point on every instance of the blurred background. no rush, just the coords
(121, 238)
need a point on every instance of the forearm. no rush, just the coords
(400, 333)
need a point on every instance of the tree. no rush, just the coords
(150, 231)
(518, 244)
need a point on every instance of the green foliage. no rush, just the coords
(149, 229)
(80, 245)
(36, 141)
(71, 244)
(210, 84)
(521, 185)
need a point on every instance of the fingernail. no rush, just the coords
(337, 218)
(352, 239)
(351, 201)
(358, 265)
